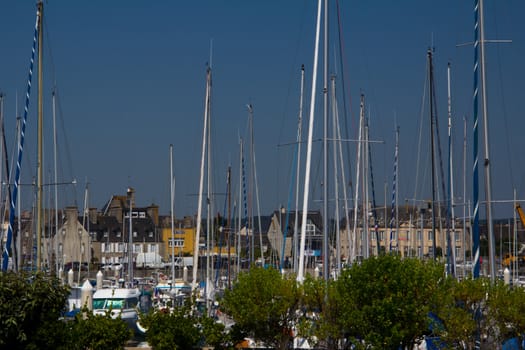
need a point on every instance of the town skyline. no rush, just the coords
(130, 81)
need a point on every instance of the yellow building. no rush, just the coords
(180, 244)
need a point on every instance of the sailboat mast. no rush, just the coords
(172, 215)
(297, 177)
(486, 162)
(239, 215)
(130, 237)
(229, 223)
(300, 273)
(336, 184)
(201, 181)
(452, 235)
(357, 181)
(366, 236)
(326, 257)
(433, 170)
(39, 223)
(56, 178)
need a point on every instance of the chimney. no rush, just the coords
(71, 214)
(153, 213)
(93, 215)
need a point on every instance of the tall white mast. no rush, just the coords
(488, 180)
(172, 215)
(56, 178)
(337, 142)
(343, 176)
(297, 177)
(451, 177)
(326, 254)
(40, 172)
(358, 171)
(201, 181)
(239, 216)
(300, 272)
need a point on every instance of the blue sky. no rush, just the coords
(131, 80)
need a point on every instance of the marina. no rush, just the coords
(312, 245)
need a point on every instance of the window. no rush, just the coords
(150, 235)
(393, 235)
(106, 234)
(178, 243)
(120, 248)
(142, 215)
(103, 247)
(134, 233)
(408, 235)
(152, 248)
(429, 235)
(456, 235)
(381, 235)
(418, 234)
(310, 229)
(119, 234)
(137, 248)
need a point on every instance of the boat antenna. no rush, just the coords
(211, 52)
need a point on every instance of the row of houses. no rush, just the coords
(103, 236)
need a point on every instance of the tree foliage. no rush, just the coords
(385, 301)
(183, 327)
(31, 306)
(264, 306)
(171, 330)
(506, 310)
(461, 310)
(97, 332)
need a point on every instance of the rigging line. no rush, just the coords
(289, 204)
(508, 136)
(4, 152)
(218, 263)
(287, 98)
(5, 254)
(420, 136)
(374, 211)
(344, 92)
(440, 157)
(69, 158)
(245, 202)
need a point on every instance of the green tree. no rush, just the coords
(506, 311)
(214, 334)
(171, 330)
(264, 306)
(31, 306)
(460, 310)
(319, 322)
(385, 301)
(97, 332)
